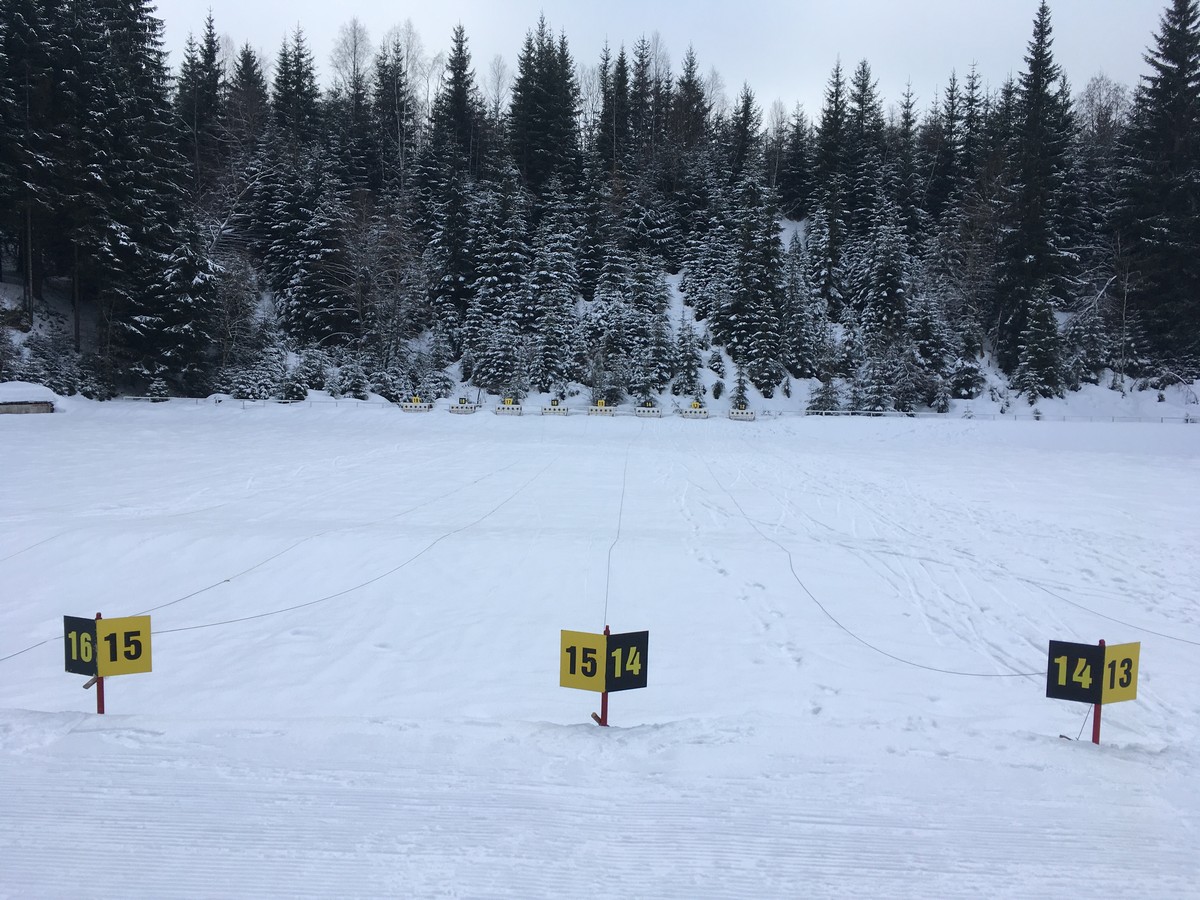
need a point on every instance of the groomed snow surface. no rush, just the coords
(400, 730)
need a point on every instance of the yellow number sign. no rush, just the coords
(581, 660)
(1120, 672)
(123, 646)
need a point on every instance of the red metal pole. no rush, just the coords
(1096, 708)
(99, 679)
(604, 695)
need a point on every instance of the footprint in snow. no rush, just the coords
(131, 737)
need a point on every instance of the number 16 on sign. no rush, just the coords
(102, 647)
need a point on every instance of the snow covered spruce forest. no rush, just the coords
(421, 223)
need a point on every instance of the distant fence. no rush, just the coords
(246, 404)
(1186, 419)
(1013, 417)
(19, 407)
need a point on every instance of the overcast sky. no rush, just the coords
(784, 49)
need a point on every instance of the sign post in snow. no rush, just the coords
(1092, 673)
(101, 647)
(602, 662)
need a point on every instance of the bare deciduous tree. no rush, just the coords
(351, 54)
(714, 94)
(422, 74)
(660, 60)
(777, 127)
(1103, 109)
(496, 87)
(591, 101)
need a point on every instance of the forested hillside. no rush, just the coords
(401, 223)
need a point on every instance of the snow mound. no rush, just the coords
(19, 391)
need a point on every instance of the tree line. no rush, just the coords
(234, 226)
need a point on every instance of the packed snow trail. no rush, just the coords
(408, 737)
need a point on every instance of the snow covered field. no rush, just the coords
(848, 630)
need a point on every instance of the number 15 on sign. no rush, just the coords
(603, 662)
(107, 647)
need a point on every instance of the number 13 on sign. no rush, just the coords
(1090, 673)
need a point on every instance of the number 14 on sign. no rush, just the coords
(1092, 673)
(603, 662)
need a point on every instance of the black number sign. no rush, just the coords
(1075, 672)
(79, 645)
(626, 662)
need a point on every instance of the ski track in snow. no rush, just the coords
(329, 808)
(408, 738)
